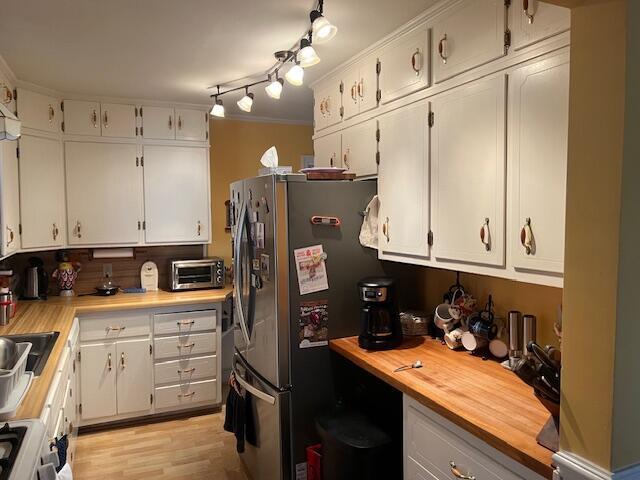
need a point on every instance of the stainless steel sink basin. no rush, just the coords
(42, 344)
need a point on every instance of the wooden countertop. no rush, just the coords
(57, 314)
(480, 396)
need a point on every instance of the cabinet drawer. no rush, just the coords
(180, 323)
(435, 448)
(185, 395)
(185, 345)
(185, 370)
(105, 327)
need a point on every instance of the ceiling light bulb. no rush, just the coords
(307, 56)
(218, 109)
(246, 102)
(274, 89)
(322, 29)
(295, 75)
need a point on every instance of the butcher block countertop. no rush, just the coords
(57, 314)
(480, 396)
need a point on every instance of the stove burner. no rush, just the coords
(10, 441)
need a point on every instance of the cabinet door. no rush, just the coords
(403, 181)
(39, 111)
(319, 118)
(10, 191)
(367, 88)
(327, 151)
(176, 194)
(350, 98)
(98, 367)
(359, 148)
(333, 103)
(158, 123)
(118, 120)
(81, 118)
(467, 36)
(41, 192)
(104, 193)
(134, 375)
(532, 20)
(539, 108)
(468, 159)
(404, 65)
(191, 124)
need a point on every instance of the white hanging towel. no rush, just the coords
(369, 230)
(65, 473)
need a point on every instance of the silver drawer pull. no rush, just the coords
(115, 329)
(184, 323)
(186, 370)
(458, 474)
(190, 394)
(188, 345)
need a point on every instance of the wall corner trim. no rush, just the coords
(573, 467)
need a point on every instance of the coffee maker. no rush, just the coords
(381, 328)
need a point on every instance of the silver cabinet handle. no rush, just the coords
(199, 228)
(55, 231)
(525, 10)
(10, 236)
(442, 49)
(186, 370)
(485, 235)
(52, 113)
(170, 122)
(106, 119)
(109, 362)
(94, 118)
(186, 345)
(186, 395)
(416, 61)
(122, 361)
(526, 237)
(458, 474)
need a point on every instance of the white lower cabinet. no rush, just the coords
(434, 448)
(98, 380)
(468, 173)
(186, 394)
(133, 380)
(359, 148)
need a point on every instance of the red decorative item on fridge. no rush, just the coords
(314, 462)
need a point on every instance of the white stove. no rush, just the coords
(24, 452)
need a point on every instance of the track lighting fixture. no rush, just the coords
(295, 75)
(323, 30)
(218, 108)
(246, 102)
(274, 89)
(307, 56)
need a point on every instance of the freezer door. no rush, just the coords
(267, 446)
(262, 336)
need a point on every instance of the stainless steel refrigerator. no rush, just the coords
(287, 384)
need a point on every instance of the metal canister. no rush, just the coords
(528, 331)
(515, 337)
(7, 308)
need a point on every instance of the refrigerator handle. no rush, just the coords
(253, 390)
(237, 273)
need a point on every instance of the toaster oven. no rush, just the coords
(196, 274)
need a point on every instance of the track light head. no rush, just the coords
(246, 102)
(295, 75)
(307, 56)
(274, 89)
(323, 30)
(218, 108)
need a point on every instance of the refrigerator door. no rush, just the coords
(261, 274)
(267, 448)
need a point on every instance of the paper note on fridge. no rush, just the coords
(312, 271)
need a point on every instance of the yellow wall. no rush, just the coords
(596, 124)
(236, 148)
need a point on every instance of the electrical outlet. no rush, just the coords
(107, 270)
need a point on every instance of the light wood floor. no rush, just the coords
(195, 448)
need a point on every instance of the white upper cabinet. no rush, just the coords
(538, 115)
(118, 120)
(104, 193)
(326, 151)
(404, 65)
(468, 161)
(533, 20)
(469, 34)
(191, 124)
(359, 148)
(176, 194)
(328, 104)
(9, 190)
(403, 182)
(38, 111)
(41, 192)
(81, 117)
(158, 123)
(360, 91)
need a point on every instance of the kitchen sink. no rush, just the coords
(41, 346)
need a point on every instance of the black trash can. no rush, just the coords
(353, 448)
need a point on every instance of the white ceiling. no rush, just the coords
(173, 50)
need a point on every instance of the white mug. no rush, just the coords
(453, 339)
(498, 348)
(472, 343)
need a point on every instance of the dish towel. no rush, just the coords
(234, 416)
(65, 473)
(369, 230)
